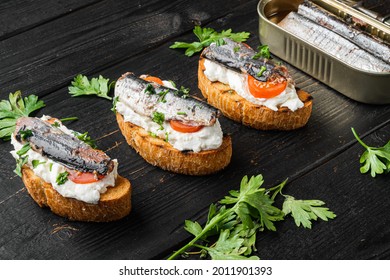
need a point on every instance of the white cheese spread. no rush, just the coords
(239, 83)
(48, 170)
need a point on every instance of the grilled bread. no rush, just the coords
(66, 174)
(113, 205)
(241, 110)
(160, 153)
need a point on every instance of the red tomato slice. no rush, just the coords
(83, 177)
(154, 79)
(181, 127)
(265, 89)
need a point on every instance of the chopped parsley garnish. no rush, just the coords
(236, 49)
(262, 70)
(263, 51)
(173, 83)
(24, 134)
(26, 147)
(183, 92)
(62, 178)
(69, 119)
(114, 101)
(19, 163)
(50, 166)
(162, 95)
(36, 162)
(86, 139)
(159, 118)
(182, 113)
(154, 135)
(166, 136)
(56, 124)
(150, 89)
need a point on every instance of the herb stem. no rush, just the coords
(359, 140)
(69, 119)
(205, 229)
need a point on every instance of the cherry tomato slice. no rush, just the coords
(154, 79)
(265, 89)
(83, 177)
(181, 127)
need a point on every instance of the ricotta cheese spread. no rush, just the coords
(48, 170)
(208, 138)
(239, 83)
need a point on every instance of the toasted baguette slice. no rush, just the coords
(160, 153)
(113, 205)
(241, 110)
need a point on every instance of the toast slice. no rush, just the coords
(113, 205)
(241, 110)
(160, 153)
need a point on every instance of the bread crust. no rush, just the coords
(113, 205)
(241, 110)
(162, 154)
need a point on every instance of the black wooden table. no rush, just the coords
(43, 45)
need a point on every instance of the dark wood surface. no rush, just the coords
(43, 46)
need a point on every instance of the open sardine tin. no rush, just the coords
(360, 85)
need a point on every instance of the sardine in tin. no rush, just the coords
(364, 86)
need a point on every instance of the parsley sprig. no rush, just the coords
(207, 36)
(262, 51)
(251, 211)
(96, 86)
(375, 160)
(14, 108)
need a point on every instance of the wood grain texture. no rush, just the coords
(320, 160)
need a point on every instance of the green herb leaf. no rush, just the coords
(262, 69)
(19, 164)
(263, 51)
(36, 162)
(26, 147)
(50, 166)
(182, 113)
(375, 160)
(303, 211)
(257, 203)
(69, 119)
(24, 134)
(62, 178)
(56, 124)
(154, 135)
(158, 118)
(207, 36)
(14, 108)
(96, 86)
(114, 102)
(86, 139)
(150, 89)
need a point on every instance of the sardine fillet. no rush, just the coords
(332, 43)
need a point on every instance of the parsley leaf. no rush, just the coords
(62, 178)
(36, 162)
(263, 51)
(24, 134)
(114, 102)
(251, 212)
(26, 147)
(14, 108)
(19, 164)
(375, 160)
(262, 69)
(158, 118)
(96, 86)
(86, 139)
(207, 36)
(303, 211)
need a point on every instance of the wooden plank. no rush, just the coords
(162, 201)
(21, 15)
(46, 58)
